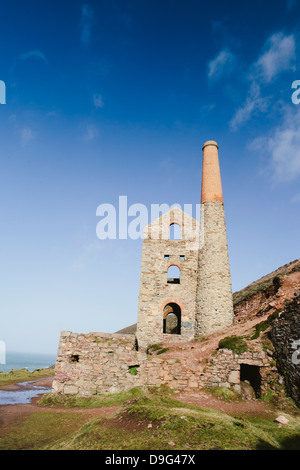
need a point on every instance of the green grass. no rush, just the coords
(23, 375)
(162, 351)
(157, 348)
(225, 394)
(41, 429)
(264, 325)
(235, 343)
(188, 427)
(150, 420)
(75, 401)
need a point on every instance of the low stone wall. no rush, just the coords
(100, 363)
(95, 363)
(224, 369)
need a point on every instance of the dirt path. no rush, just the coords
(201, 350)
(205, 399)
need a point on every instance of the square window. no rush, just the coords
(182, 257)
(167, 256)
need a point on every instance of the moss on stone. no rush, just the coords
(264, 325)
(234, 343)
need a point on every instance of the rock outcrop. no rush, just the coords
(267, 294)
(285, 335)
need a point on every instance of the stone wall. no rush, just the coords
(100, 363)
(285, 335)
(225, 370)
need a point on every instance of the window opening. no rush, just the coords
(173, 274)
(175, 232)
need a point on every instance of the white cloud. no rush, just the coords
(52, 114)
(279, 55)
(290, 4)
(254, 104)
(88, 254)
(222, 65)
(34, 53)
(98, 101)
(90, 133)
(283, 147)
(87, 17)
(27, 136)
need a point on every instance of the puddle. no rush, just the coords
(23, 396)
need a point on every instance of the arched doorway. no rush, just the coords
(172, 319)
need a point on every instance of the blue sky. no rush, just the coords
(108, 98)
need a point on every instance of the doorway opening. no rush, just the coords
(252, 374)
(172, 319)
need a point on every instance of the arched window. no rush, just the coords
(175, 232)
(172, 319)
(173, 274)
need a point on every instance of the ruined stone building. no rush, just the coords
(197, 298)
(185, 292)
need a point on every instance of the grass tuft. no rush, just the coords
(235, 343)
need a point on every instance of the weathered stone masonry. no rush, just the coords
(160, 297)
(109, 363)
(285, 335)
(99, 363)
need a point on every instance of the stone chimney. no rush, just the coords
(214, 305)
(211, 176)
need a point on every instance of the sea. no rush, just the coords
(30, 361)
